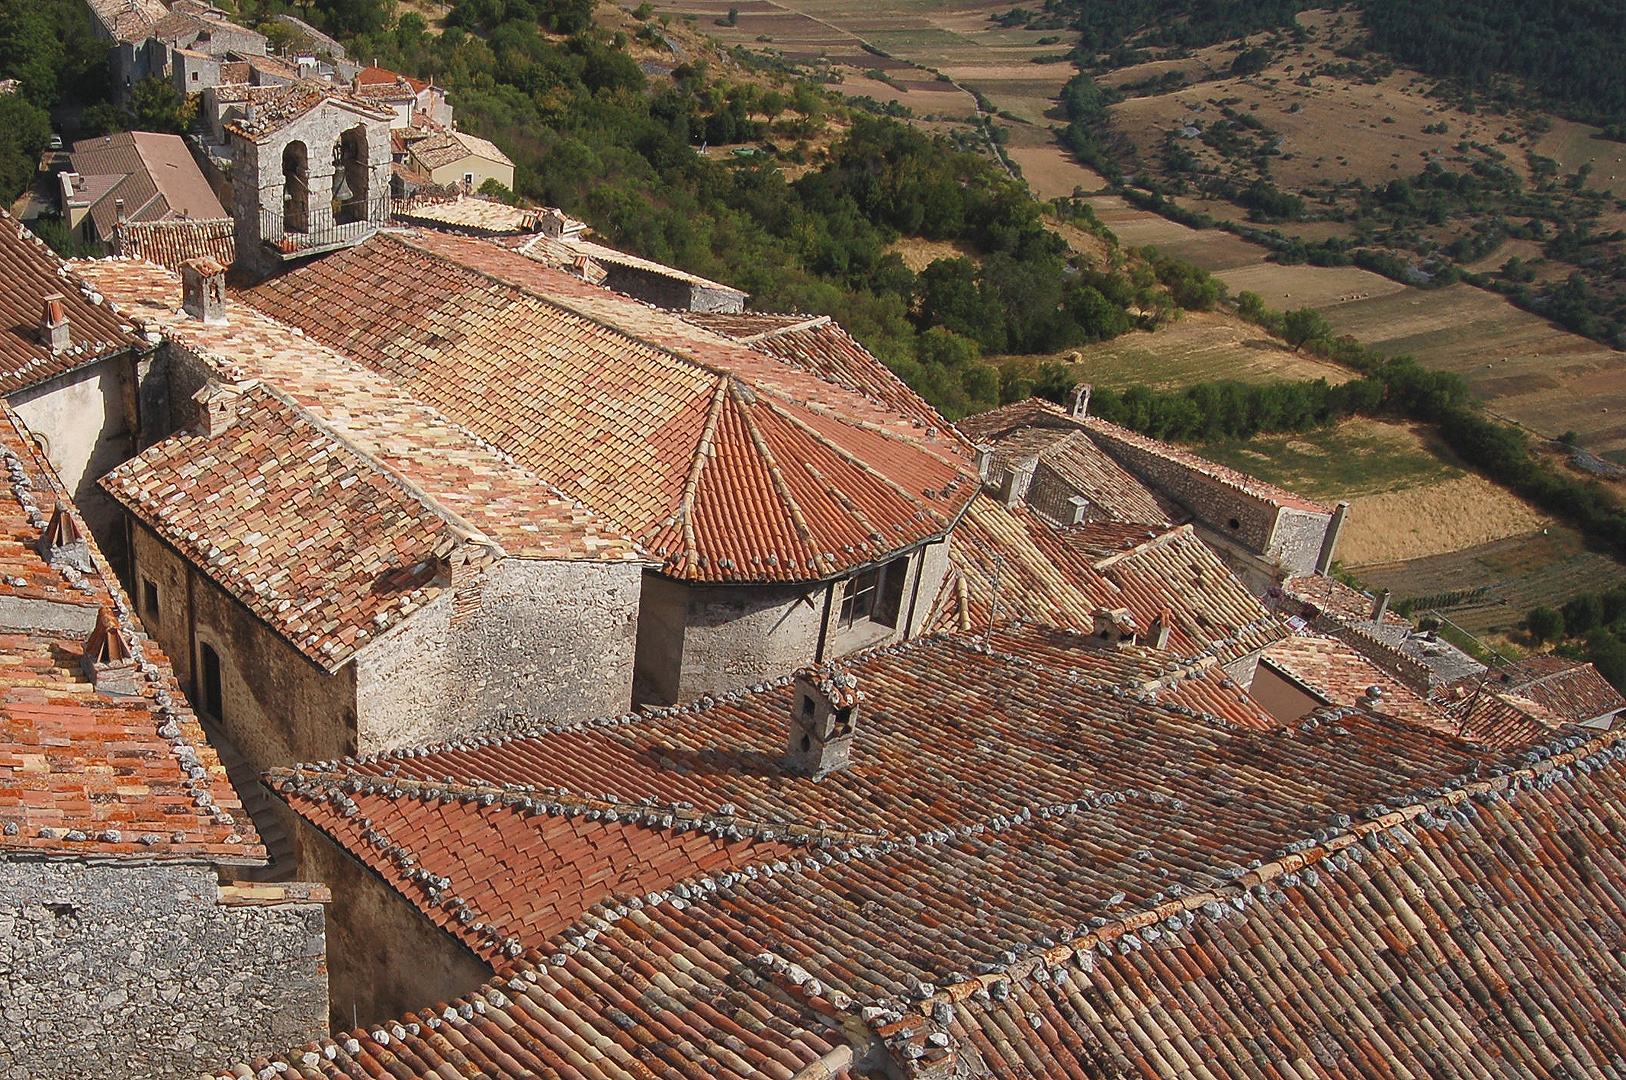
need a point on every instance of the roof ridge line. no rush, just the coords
(775, 475)
(704, 450)
(409, 486)
(812, 323)
(543, 800)
(857, 462)
(1165, 537)
(1237, 893)
(400, 237)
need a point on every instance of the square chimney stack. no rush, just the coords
(203, 290)
(54, 331)
(823, 721)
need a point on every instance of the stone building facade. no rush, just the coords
(71, 369)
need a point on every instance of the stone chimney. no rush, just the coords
(1329, 539)
(1013, 486)
(63, 543)
(54, 323)
(1160, 629)
(985, 462)
(1081, 400)
(1078, 510)
(1114, 626)
(1380, 606)
(823, 721)
(110, 661)
(559, 225)
(203, 290)
(217, 407)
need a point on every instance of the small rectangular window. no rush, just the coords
(149, 602)
(874, 595)
(214, 704)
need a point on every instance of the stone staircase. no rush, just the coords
(262, 808)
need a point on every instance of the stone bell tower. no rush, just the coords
(310, 173)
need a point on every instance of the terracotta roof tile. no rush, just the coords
(332, 421)
(31, 273)
(1043, 579)
(124, 771)
(1158, 891)
(1341, 676)
(170, 243)
(725, 463)
(1526, 699)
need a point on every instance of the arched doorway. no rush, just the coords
(296, 212)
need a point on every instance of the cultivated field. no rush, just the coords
(1201, 347)
(1509, 576)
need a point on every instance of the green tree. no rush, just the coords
(1303, 326)
(25, 128)
(155, 105)
(1544, 624)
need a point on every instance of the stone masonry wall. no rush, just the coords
(1297, 540)
(548, 641)
(384, 957)
(279, 708)
(703, 639)
(1215, 504)
(139, 972)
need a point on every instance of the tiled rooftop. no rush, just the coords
(350, 423)
(1530, 697)
(948, 737)
(470, 212)
(818, 345)
(1044, 579)
(88, 774)
(725, 463)
(163, 181)
(1341, 676)
(1172, 896)
(31, 272)
(285, 104)
(1036, 428)
(170, 243)
(127, 20)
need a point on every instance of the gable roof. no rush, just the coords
(88, 774)
(31, 272)
(1043, 578)
(127, 20)
(317, 425)
(1174, 912)
(160, 179)
(724, 463)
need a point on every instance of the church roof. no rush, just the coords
(725, 463)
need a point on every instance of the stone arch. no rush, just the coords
(351, 177)
(296, 212)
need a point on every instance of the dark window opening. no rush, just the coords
(1234, 524)
(875, 595)
(149, 602)
(213, 699)
(807, 708)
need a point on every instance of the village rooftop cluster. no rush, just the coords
(436, 644)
